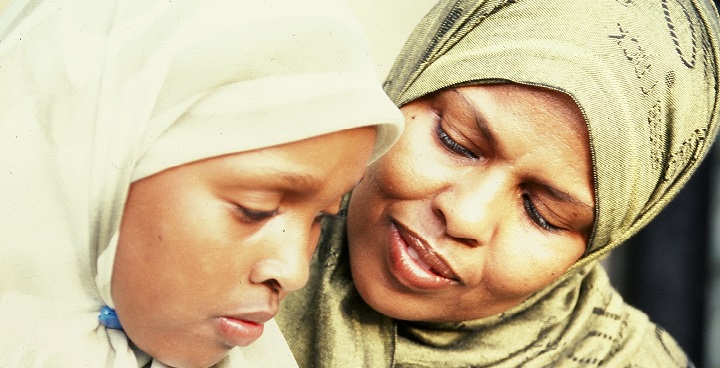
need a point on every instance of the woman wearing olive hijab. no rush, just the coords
(539, 136)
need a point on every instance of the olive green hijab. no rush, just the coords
(644, 73)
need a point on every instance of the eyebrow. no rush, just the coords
(478, 117)
(566, 197)
(297, 181)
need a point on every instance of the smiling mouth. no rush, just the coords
(415, 263)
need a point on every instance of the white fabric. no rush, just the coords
(97, 93)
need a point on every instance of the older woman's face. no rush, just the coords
(486, 199)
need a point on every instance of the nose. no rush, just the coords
(471, 206)
(285, 263)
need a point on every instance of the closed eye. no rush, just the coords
(535, 215)
(250, 215)
(452, 145)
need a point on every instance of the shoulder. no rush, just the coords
(615, 334)
(657, 348)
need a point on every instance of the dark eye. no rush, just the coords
(535, 216)
(250, 215)
(453, 146)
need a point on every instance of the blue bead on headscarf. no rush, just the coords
(109, 318)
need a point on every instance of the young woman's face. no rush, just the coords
(486, 199)
(208, 249)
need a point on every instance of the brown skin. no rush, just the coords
(226, 236)
(499, 202)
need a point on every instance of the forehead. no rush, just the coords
(318, 164)
(520, 112)
(527, 107)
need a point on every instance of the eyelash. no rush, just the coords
(453, 146)
(530, 208)
(252, 216)
(535, 216)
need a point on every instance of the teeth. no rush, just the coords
(414, 255)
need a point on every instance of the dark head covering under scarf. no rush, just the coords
(644, 74)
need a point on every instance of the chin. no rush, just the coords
(390, 303)
(197, 360)
(393, 310)
(190, 363)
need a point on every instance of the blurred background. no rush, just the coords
(671, 269)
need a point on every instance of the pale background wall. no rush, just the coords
(388, 24)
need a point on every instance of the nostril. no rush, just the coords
(280, 276)
(457, 230)
(267, 272)
(274, 284)
(472, 243)
(440, 215)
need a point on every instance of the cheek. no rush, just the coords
(140, 238)
(147, 270)
(169, 253)
(524, 265)
(411, 169)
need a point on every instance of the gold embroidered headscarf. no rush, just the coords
(644, 74)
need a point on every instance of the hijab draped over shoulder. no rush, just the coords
(645, 76)
(99, 93)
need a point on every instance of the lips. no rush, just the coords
(243, 329)
(415, 264)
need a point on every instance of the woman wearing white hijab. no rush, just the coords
(134, 134)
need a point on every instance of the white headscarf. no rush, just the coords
(98, 93)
